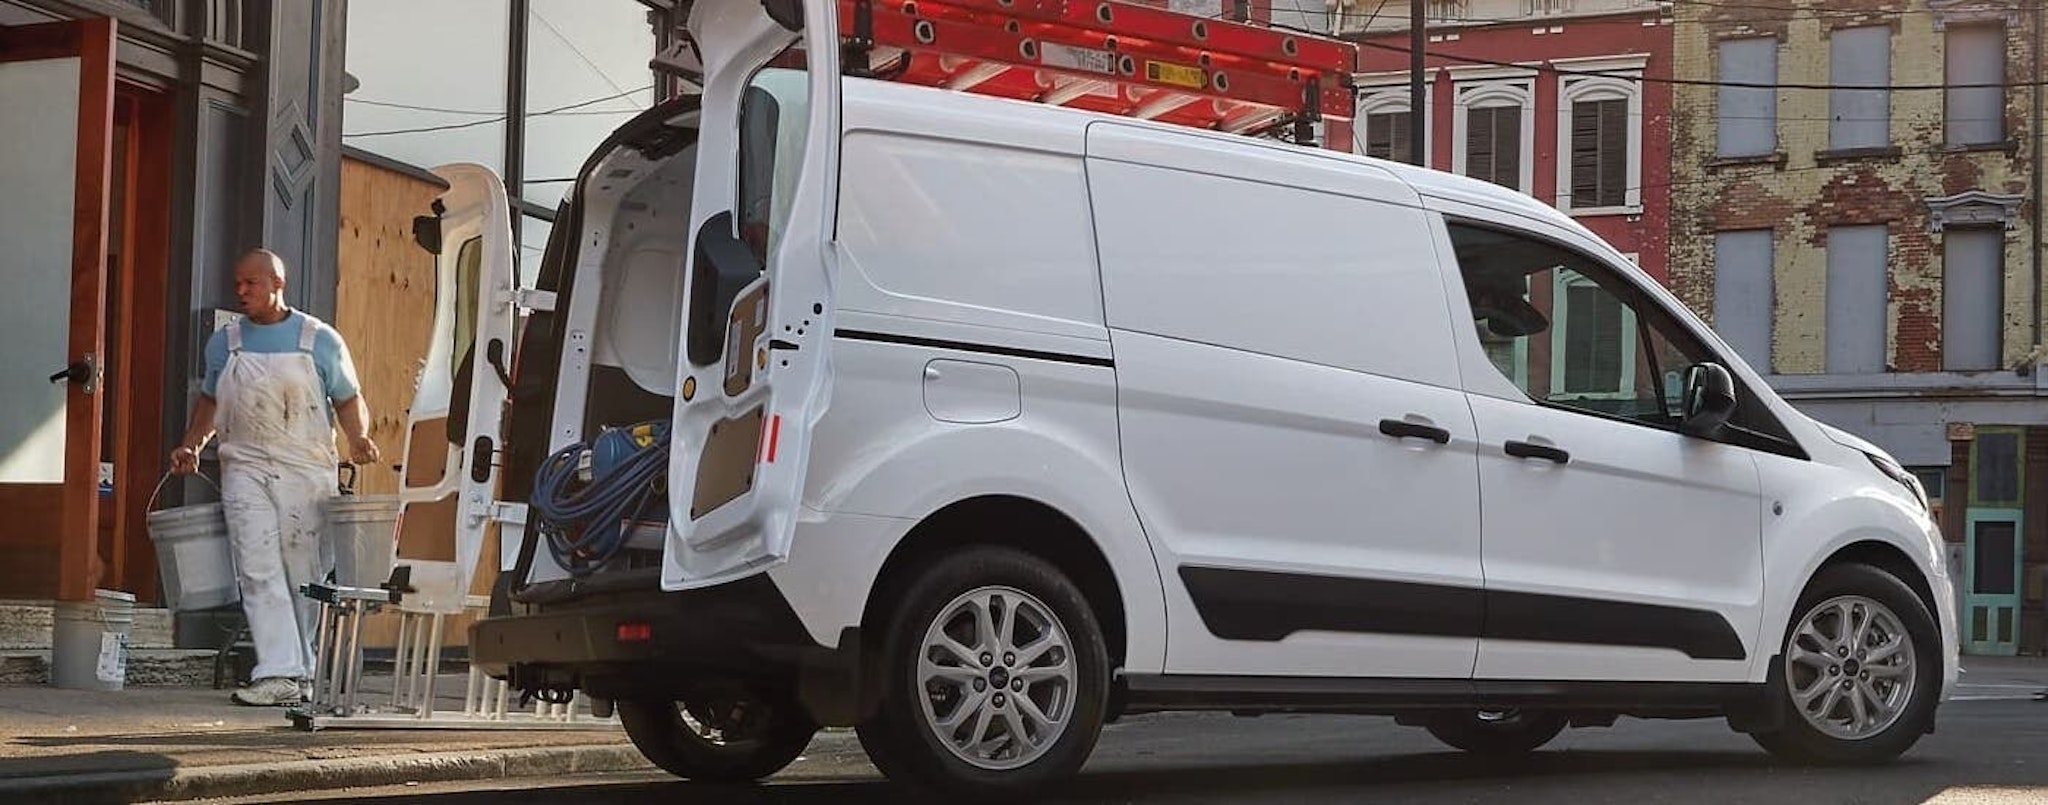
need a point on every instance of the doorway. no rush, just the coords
(1993, 525)
(87, 223)
(132, 459)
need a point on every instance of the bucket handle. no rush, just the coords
(167, 479)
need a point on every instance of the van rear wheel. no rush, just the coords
(1860, 670)
(718, 739)
(995, 677)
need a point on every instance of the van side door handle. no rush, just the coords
(1403, 429)
(1542, 451)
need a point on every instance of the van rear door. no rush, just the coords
(450, 468)
(755, 367)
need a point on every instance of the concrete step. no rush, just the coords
(25, 625)
(155, 667)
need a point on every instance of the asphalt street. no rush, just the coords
(1991, 746)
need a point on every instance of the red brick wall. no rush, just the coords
(1648, 234)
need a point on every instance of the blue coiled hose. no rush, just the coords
(584, 522)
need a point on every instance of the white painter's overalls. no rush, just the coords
(277, 464)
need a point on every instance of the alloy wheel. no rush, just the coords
(996, 677)
(1850, 667)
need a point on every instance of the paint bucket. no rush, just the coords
(89, 647)
(193, 554)
(364, 529)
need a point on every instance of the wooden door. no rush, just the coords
(53, 218)
(1991, 596)
(1993, 528)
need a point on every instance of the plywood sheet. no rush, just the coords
(384, 300)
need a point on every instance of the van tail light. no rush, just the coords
(635, 632)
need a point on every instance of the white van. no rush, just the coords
(988, 423)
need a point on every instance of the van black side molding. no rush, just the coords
(967, 346)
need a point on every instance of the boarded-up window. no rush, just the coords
(1975, 55)
(1748, 116)
(1493, 145)
(1857, 296)
(1600, 153)
(1972, 298)
(1386, 136)
(1743, 297)
(1859, 57)
(1995, 471)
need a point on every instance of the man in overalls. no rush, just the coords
(270, 379)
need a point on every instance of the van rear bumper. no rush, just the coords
(653, 644)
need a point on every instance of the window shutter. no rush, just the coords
(1386, 136)
(1600, 153)
(1480, 144)
(1613, 153)
(1507, 144)
(1493, 145)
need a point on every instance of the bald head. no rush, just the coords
(259, 285)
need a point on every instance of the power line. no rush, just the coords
(1789, 13)
(1630, 74)
(1727, 180)
(601, 74)
(451, 111)
(497, 119)
(1823, 12)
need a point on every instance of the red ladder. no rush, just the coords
(1112, 56)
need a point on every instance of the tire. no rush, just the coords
(1497, 734)
(1066, 691)
(1904, 700)
(762, 743)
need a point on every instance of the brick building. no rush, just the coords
(1569, 122)
(1869, 239)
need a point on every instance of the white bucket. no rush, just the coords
(89, 650)
(193, 555)
(365, 533)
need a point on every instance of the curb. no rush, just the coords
(208, 782)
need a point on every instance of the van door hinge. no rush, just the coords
(534, 299)
(497, 511)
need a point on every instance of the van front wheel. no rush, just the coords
(1860, 670)
(996, 677)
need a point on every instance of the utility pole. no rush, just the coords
(1416, 124)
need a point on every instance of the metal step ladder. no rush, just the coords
(338, 698)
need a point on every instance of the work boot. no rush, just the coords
(270, 692)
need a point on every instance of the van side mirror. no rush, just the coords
(1709, 400)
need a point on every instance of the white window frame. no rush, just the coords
(1388, 92)
(1631, 335)
(1490, 88)
(1573, 89)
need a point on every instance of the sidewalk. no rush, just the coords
(145, 744)
(2003, 678)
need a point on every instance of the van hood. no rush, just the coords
(1847, 439)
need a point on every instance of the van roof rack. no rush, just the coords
(1113, 56)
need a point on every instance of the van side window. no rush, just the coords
(773, 114)
(1571, 333)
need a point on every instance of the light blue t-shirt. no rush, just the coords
(330, 356)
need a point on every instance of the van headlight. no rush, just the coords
(1906, 479)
